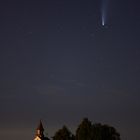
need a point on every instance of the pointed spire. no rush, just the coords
(40, 126)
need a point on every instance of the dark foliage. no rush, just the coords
(63, 134)
(88, 131)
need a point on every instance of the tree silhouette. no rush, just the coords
(63, 134)
(97, 131)
(84, 130)
(88, 131)
(109, 133)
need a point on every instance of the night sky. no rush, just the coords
(59, 64)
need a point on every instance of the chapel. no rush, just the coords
(39, 135)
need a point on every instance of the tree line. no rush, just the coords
(86, 130)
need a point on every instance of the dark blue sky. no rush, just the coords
(59, 64)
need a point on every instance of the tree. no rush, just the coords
(97, 131)
(84, 130)
(88, 131)
(63, 134)
(109, 133)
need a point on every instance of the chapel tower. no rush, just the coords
(39, 132)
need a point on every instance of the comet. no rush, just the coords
(103, 19)
(104, 11)
(103, 23)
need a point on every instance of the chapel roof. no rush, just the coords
(40, 126)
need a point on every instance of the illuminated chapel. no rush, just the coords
(40, 133)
